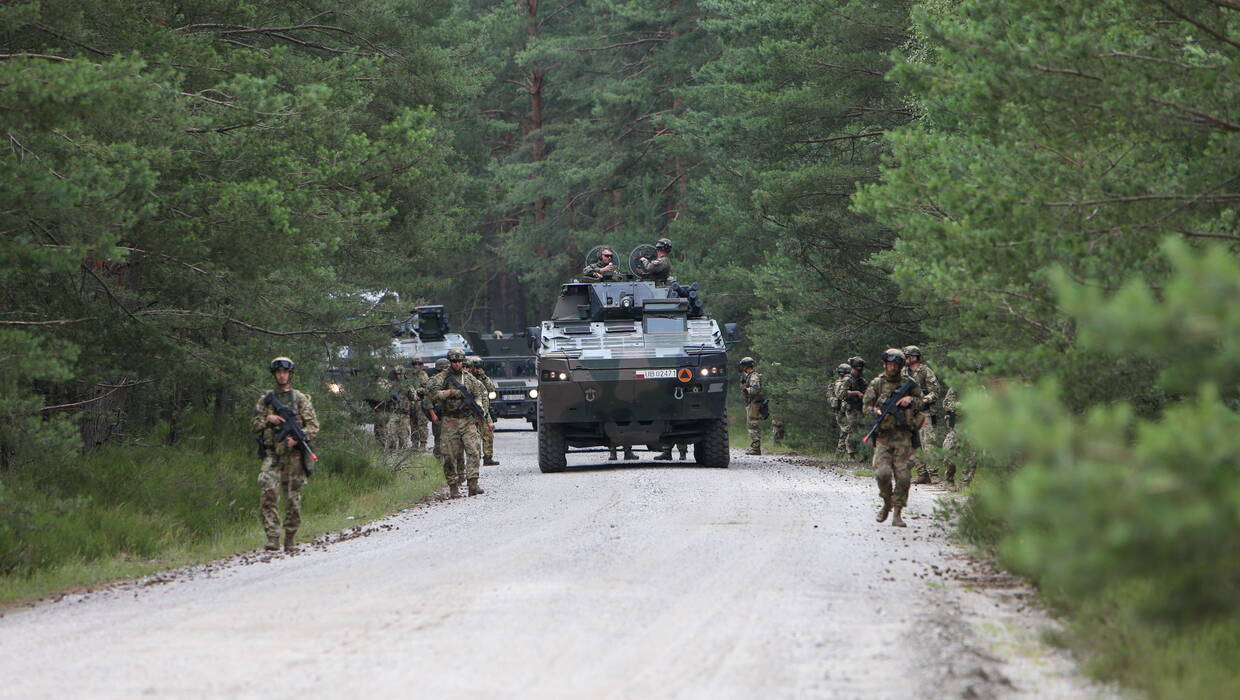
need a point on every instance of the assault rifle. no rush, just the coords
(890, 409)
(859, 380)
(467, 397)
(289, 428)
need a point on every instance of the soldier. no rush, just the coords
(417, 414)
(850, 394)
(660, 268)
(384, 408)
(485, 427)
(458, 424)
(921, 373)
(951, 443)
(431, 405)
(836, 406)
(604, 269)
(893, 444)
(283, 468)
(400, 427)
(751, 388)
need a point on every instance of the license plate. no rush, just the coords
(654, 374)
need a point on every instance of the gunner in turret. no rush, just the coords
(659, 269)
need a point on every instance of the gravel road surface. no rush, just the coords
(768, 579)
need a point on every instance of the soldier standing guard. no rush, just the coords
(893, 443)
(921, 373)
(486, 426)
(283, 469)
(850, 393)
(751, 388)
(458, 426)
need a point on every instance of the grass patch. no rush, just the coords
(122, 512)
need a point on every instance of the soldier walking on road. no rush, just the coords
(751, 389)
(417, 414)
(433, 407)
(893, 442)
(837, 407)
(458, 425)
(850, 393)
(283, 469)
(951, 443)
(921, 373)
(487, 425)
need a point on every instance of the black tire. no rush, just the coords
(552, 448)
(712, 450)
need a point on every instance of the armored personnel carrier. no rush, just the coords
(632, 363)
(427, 335)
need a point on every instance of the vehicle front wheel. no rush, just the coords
(712, 450)
(552, 448)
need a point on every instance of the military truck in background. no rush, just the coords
(511, 364)
(631, 363)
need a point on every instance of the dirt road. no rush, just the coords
(768, 579)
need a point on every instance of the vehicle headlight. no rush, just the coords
(492, 395)
(705, 372)
(533, 393)
(335, 388)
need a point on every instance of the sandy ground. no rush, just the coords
(768, 579)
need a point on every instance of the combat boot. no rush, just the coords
(490, 462)
(628, 454)
(923, 477)
(474, 488)
(896, 520)
(290, 545)
(884, 511)
(273, 543)
(664, 456)
(454, 490)
(754, 451)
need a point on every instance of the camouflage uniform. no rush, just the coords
(751, 388)
(929, 385)
(852, 421)
(834, 405)
(389, 429)
(432, 403)
(595, 273)
(458, 440)
(951, 443)
(485, 426)
(658, 270)
(282, 469)
(400, 425)
(893, 442)
(417, 414)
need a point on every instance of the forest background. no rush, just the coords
(1043, 196)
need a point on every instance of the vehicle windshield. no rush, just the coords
(510, 369)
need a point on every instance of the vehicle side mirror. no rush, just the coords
(731, 333)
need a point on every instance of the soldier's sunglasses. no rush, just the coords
(605, 255)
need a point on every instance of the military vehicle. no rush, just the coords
(426, 334)
(632, 363)
(510, 363)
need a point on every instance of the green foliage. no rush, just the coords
(1105, 498)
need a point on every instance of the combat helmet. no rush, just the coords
(895, 355)
(664, 245)
(746, 362)
(473, 361)
(441, 364)
(843, 369)
(281, 363)
(856, 361)
(913, 351)
(456, 355)
(398, 369)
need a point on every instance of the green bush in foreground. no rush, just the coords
(139, 502)
(1132, 524)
